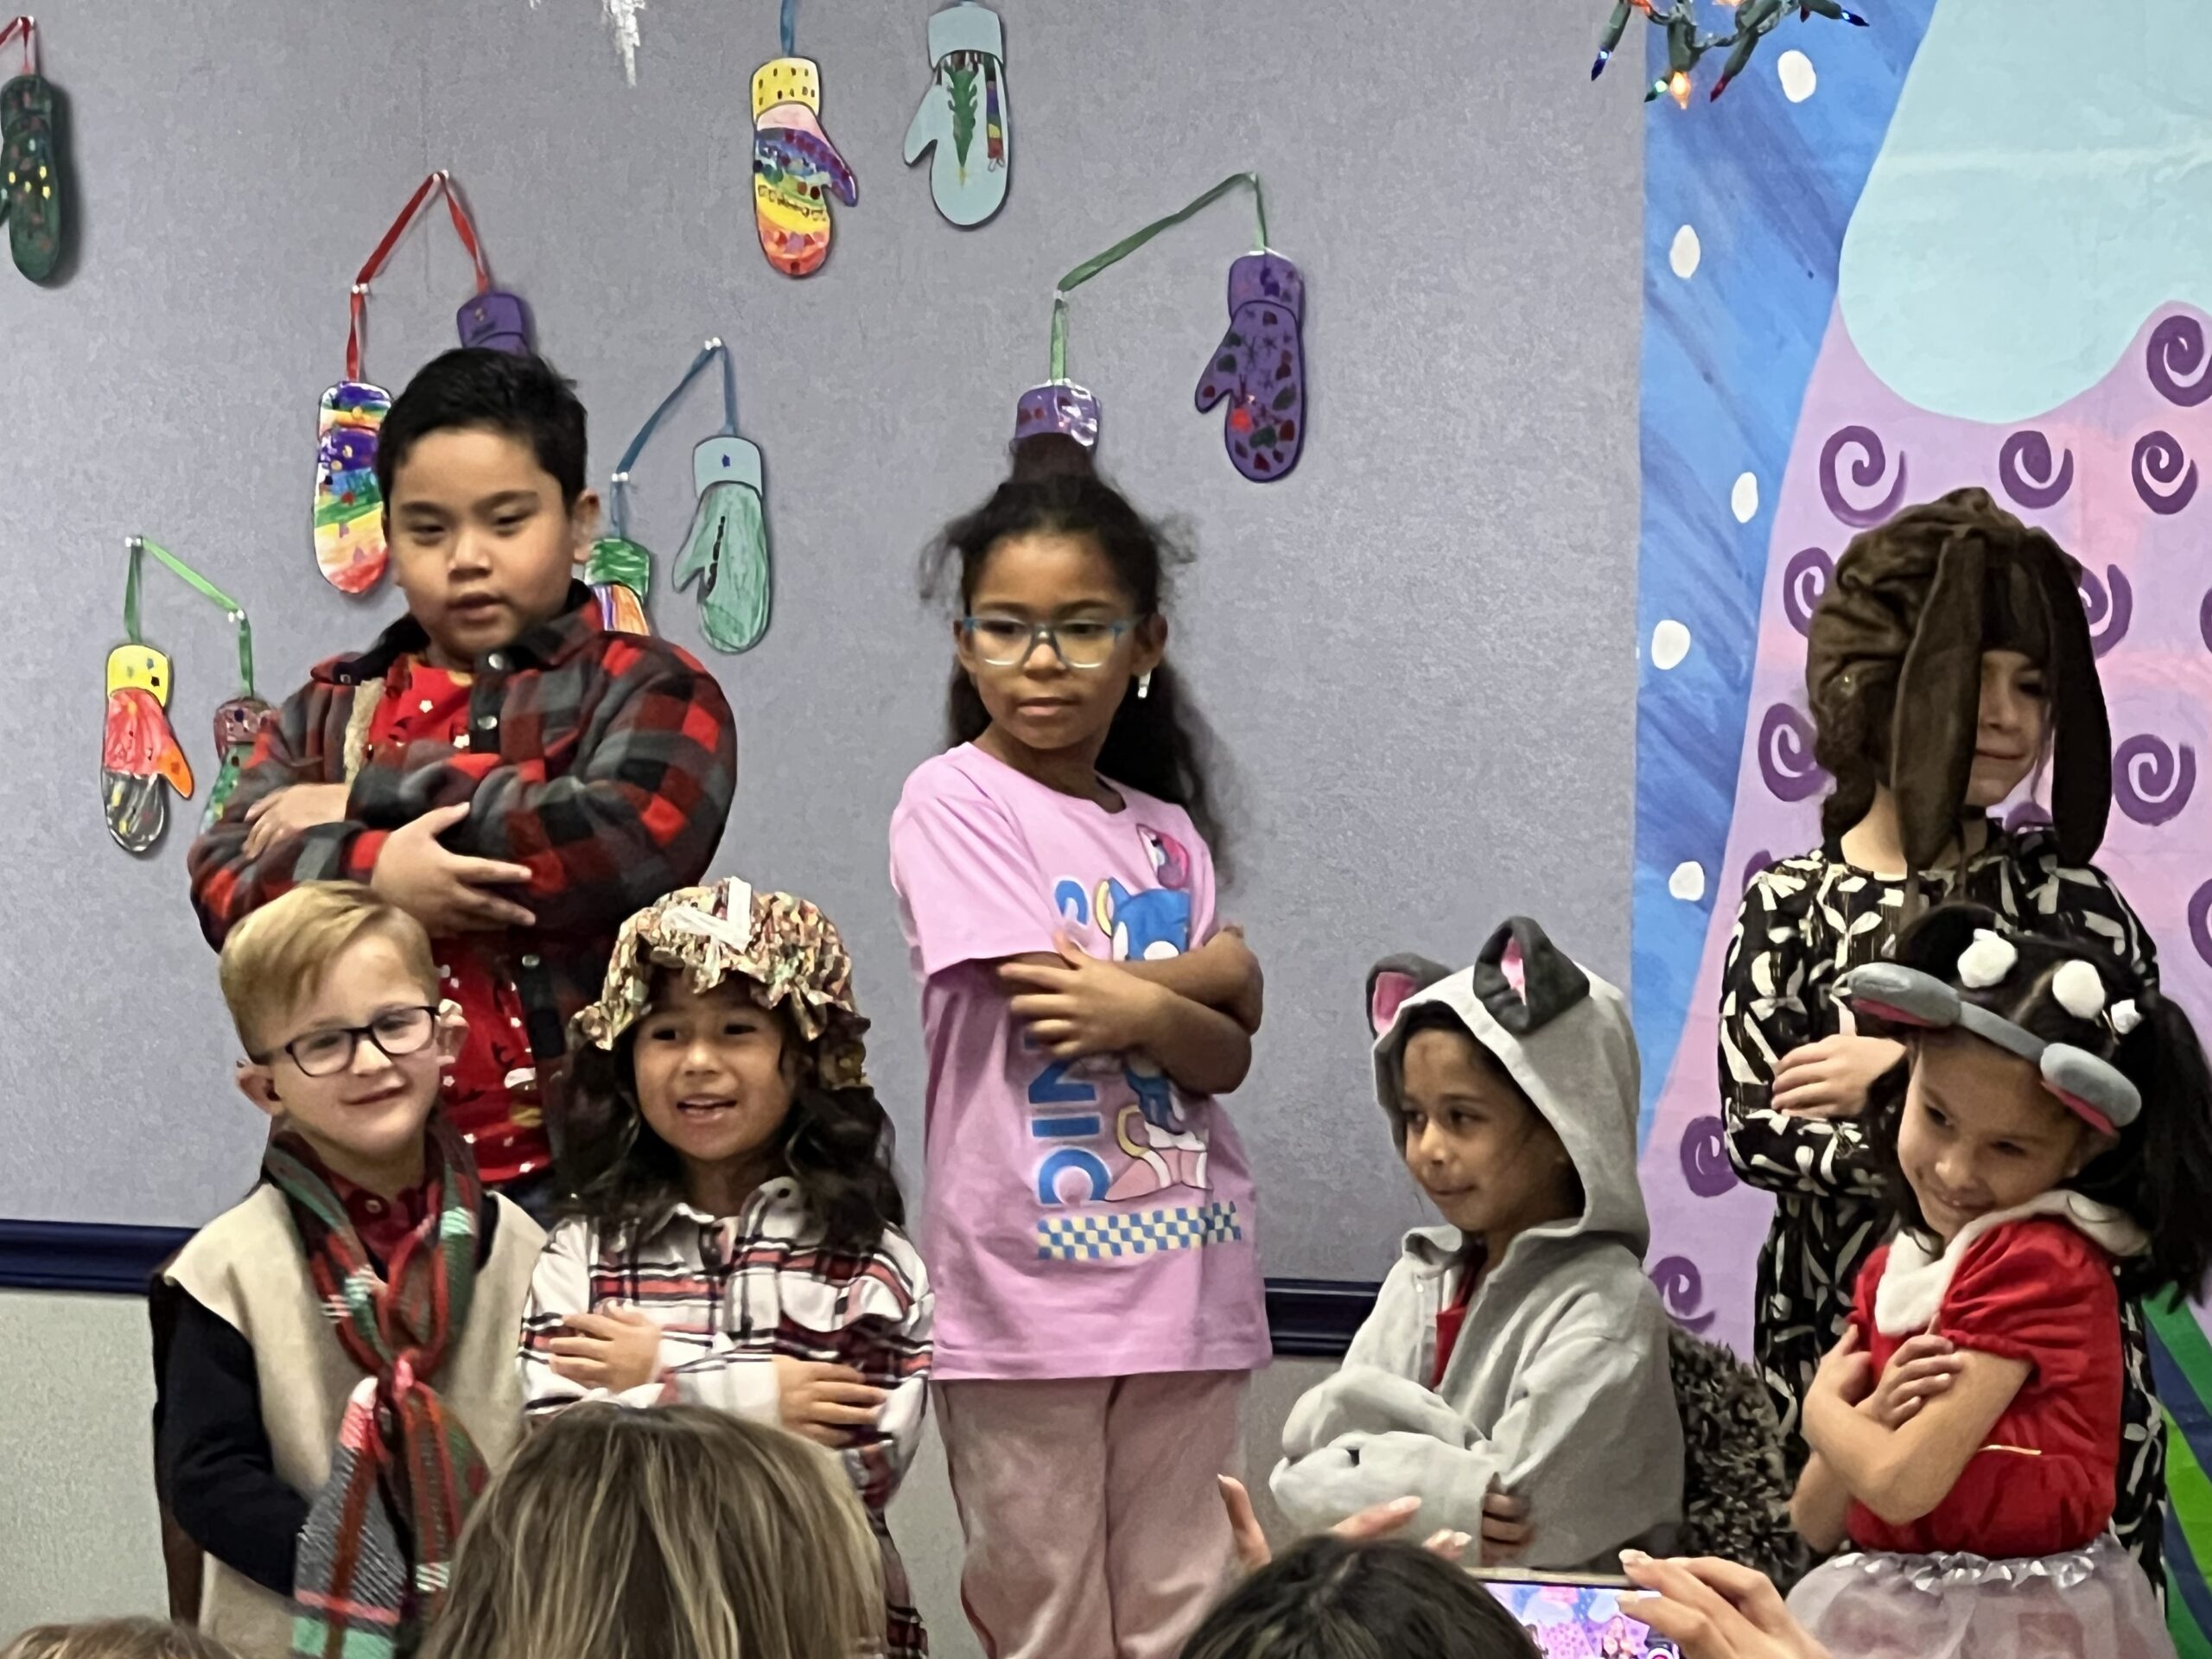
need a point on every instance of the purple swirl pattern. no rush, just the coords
(1804, 579)
(1681, 1287)
(1756, 866)
(1704, 1158)
(2200, 922)
(2204, 620)
(2028, 815)
(1786, 755)
(2162, 473)
(1865, 475)
(2176, 362)
(2110, 603)
(2151, 780)
(2024, 467)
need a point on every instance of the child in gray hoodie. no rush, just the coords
(1519, 1353)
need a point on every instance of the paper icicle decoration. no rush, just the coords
(349, 542)
(726, 550)
(795, 167)
(138, 752)
(37, 201)
(964, 115)
(622, 18)
(1259, 367)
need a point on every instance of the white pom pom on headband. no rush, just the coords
(2092, 1089)
(2080, 989)
(1988, 960)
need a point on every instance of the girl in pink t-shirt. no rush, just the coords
(1088, 1219)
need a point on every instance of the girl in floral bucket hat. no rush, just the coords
(735, 1236)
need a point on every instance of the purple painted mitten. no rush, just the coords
(496, 321)
(1260, 366)
(1058, 406)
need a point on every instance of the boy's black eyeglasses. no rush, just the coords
(396, 1031)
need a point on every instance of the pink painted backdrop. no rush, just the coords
(2114, 474)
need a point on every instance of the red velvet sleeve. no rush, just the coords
(2035, 1291)
(1862, 1298)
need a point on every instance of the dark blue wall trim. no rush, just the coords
(83, 1255)
(1308, 1318)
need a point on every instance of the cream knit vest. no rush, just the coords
(247, 1268)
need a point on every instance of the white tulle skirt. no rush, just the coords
(2087, 1604)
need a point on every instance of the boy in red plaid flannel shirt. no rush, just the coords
(496, 764)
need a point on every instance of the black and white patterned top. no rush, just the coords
(1803, 923)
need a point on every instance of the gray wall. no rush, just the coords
(1419, 648)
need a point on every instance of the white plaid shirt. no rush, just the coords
(732, 1294)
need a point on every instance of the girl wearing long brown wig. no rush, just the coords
(1950, 660)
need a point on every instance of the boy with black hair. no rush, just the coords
(496, 765)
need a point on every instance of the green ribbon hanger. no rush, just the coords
(138, 546)
(1128, 244)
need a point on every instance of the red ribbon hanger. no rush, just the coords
(439, 183)
(27, 27)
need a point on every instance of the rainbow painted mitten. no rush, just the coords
(37, 201)
(238, 727)
(727, 548)
(795, 167)
(1260, 366)
(138, 752)
(619, 572)
(349, 543)
(964, 114)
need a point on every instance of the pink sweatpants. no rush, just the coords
(1093, 1522)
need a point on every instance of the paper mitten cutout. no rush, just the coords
(1260, 366)
(238, 728)
(349, 542)
(795, 167)
(138, 752)
(964, 115)
(727, 550)
(38, 189)
(619, 572)
(1059, 406)
(497, 321)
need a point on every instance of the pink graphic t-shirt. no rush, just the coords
(1083, 1219)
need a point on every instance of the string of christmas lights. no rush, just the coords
(1686, 43)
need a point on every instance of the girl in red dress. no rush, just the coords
(2049, 1154)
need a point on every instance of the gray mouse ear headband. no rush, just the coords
(2092, 1088)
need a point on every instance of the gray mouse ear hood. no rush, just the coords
(1561, 1033)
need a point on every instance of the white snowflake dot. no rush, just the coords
(1684, 253)
(1798, 80)
(1687, 882)
(1670, 643)
(1744, 500)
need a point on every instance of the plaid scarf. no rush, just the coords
(375, 1552)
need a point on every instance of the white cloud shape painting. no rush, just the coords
(2040, 193)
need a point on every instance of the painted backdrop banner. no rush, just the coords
(1936, 252)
